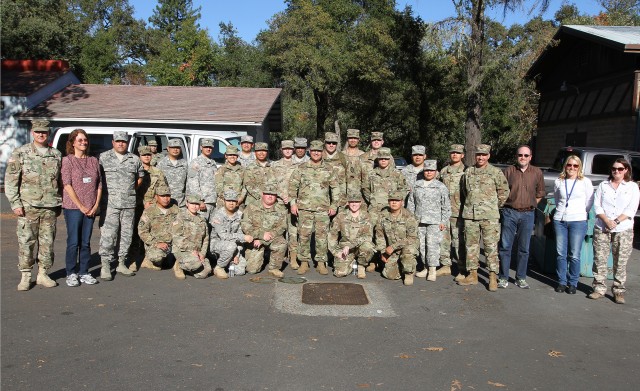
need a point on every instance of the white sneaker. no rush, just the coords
(88, 279)
(72, 280)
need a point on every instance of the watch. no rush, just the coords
(617, 221)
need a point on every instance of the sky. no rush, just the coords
(249, 17)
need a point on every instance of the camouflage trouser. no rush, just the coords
(292, 233)
(490, 232)
(188, 261)
(406, 257)
(622, 245)
(450, 247)
(38, 225)
(310, 222)
(206, 214)
(116, 224)
(361, 253)
(156, 255)
(430, 239)
(374, 212)
(225, 250)
(255, 256)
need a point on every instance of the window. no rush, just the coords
(98, 143)
(601, 164)
(635, 168)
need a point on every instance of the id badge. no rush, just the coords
(86, 180)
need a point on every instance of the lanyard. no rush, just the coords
(566, 205)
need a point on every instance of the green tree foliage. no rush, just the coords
(240, 64)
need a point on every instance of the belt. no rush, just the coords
(529, 209)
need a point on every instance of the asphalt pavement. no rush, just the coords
(152, 331)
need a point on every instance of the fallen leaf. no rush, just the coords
(404, 356)
(433, 349)
(554, 353)
(456, 385)
(197, 365)
(495, 384)
(291, 357)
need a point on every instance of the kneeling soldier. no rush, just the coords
(397, 239)
(354, 229)
(190, 240)
(266, 222)
(154, 228)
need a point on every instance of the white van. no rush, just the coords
(100, 139)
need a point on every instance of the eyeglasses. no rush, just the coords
(523, 155)
(619, 169)
(573, 166)
(330, 143)
(82, 141)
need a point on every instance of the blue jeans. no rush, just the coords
(516, 227)
(79, 229)
(569, 238)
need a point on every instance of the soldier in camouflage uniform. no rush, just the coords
(282, 170)
(451, 176)
(123, 173)
(381, 181)
(246, 157)
(34, 190)
(190, 240)
(300, 150)
(201, 179)
(351, 238)
(485, 190)
(355, 170)
(315, 195)
(175, 169)
(429, 202)
(227, 239)
(397, 239)
(154, 228)
(155, 156)
(414, 170)
(257, 174)
(230, 175)
(331, 156)
(369, 158)
(266, 222)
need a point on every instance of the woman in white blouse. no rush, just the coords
(615, 203)
(573, 194)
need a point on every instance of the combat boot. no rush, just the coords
(293, 262)
(470, 279)
(322, 268)
(408, 279)
(177, 271)
(459, 277)
(43, 279)
(493, 282)
(122, 269)
(422, 273)
(276, 273)
(432, 273)
(220, 273)
(619, 298)
(361, 272)
(133, 267)
(444, 271)
(304, 266)
(147, 264)
(371, 267)
(105, 272)
(25, 282)
(206, 269)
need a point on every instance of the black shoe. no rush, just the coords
(571, 290)
(561, 288)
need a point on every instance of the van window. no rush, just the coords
(601, 164)
(234, 141)
(635, 168)
(98, 143)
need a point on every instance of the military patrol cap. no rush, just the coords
(231, 150)
(261, 147)
(353, 133)
(483, 148)
(230, 195)
(152, 143)
(300, 142)
(163, 189)
(194, 198)
(39, 125)
(246, 139)
(418, 150)
(174, 143)
(119, 135)
(144, 150)
(206, 142)
(396, 195)
(354, 196)
(270, 188)
(384, 153)
(456, 148)
(316, 145)
(330, 137)
(430, 165)
(284, 144)
(376, 136)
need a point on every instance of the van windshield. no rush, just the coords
(234, 141)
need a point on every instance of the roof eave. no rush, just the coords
(145, 121)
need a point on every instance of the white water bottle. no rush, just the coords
(232, 270)
(355, 268)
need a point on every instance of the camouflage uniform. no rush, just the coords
(255, 222)
(355, 233)
(230, 177)
(153, 177)
(282, 169)
(155, 227)
(380, 183)
(451, 246)
(411, 173)
(190, 234)
(338, 163)
(176, 177)
(297, 160)
(401, 233)
(227, 238)
(32, 182)
(201, 180)
(255, 176)
(485, 190)
(246, 161)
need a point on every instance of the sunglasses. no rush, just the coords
(573, 166)
(523, 155)
(619, 169)
(330, 142)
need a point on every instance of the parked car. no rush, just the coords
(400, 163)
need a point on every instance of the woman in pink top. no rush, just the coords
(80, 202)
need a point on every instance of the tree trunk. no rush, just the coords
(322, 112)
(472, 124)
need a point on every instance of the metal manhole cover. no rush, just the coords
(263, 280)
(334, 294)
(293, 280)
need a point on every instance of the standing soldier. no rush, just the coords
(351, 238)
(355, 173)
(300, 152)
(227, 238)
(246, 157)
(315, 195)
(451, 176)
(190, 240)
(33, 188)
(175, 169)
(429, 202)
(123, 173)
(257, 174)
(201, 179)
(155, 156)
(369, 158)
(230, 175)
(397, 239)
(412, 171)
(154, 228)
(485, 190)
(331, 156)
(266, 222)
(381, 181)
